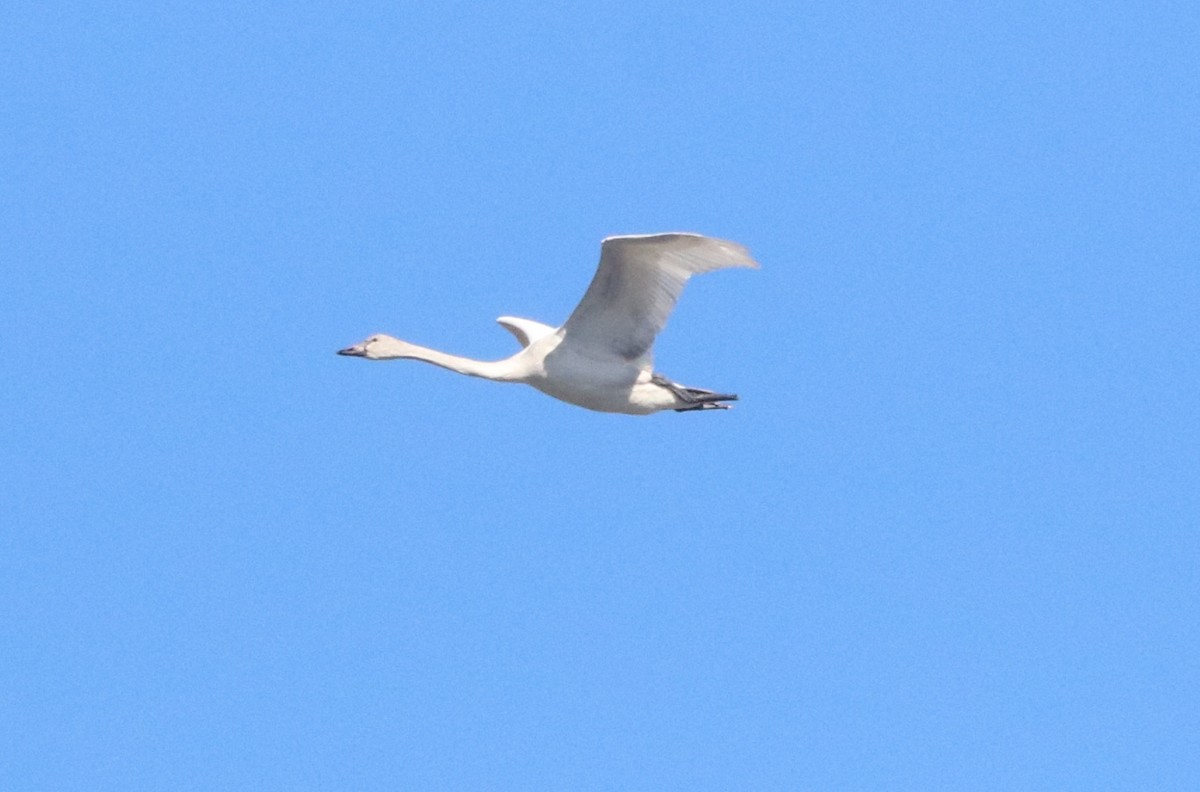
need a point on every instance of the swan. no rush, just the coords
(601, 359)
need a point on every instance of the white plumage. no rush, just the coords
(601, 358)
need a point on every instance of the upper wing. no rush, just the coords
(636, 287)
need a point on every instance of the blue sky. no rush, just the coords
(947, 540)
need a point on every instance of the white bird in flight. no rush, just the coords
(601, 358)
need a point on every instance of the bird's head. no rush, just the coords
(376, 347)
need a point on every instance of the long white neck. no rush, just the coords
(395, 349)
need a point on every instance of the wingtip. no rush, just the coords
(738, 255)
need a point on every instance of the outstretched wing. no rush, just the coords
(636, 286)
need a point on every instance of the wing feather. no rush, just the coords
(636, 286)
(526, 331)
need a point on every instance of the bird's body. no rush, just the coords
(606, 385)
(601, 357)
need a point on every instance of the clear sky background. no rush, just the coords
(947, 540)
